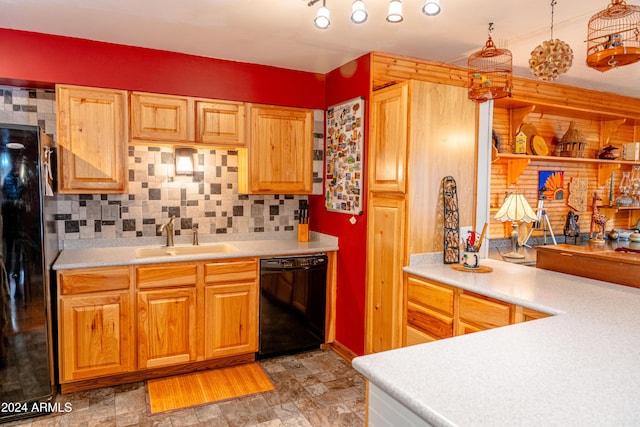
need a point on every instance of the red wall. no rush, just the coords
(41, 60)
(344, 83)
(37, 60)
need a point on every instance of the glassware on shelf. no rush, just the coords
(635, 186)
(625, 187)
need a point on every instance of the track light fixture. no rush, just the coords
(431, 7)
(322, 20)
(359, 13)
(395, 11)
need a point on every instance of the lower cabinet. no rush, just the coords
(166, 314)
(231, 319)
(436, 311)
(231, 308)
(94, 323)
(166, 327)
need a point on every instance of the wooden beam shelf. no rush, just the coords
(517, 163)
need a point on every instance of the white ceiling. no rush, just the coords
(281, 32)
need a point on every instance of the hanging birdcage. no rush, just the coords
(614, 36)
(490, 72)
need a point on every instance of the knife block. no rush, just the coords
(303, 232)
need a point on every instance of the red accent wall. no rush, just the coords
(36, 60)
(41, 60)
(346, 82)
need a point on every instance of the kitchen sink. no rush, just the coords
(184, 250)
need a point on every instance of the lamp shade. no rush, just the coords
(516, 208)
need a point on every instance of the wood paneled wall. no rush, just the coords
(587, 107)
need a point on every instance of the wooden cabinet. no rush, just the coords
(182, 120)
(429, 311)
(385, 234)
(221, 123)
(231, 308)
(166, 314)
(420, 132)
(388, 142)
(436, 311)
(94, 323)
(161, 117)
(92, 140)
(166, 327)
(278, 159)
(477, 313)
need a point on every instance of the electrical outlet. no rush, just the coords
(110, 212)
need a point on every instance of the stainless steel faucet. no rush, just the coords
(168, 227)
(195, 235)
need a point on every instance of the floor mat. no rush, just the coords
(182, 391)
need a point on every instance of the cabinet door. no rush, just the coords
(385, 256)
(95, 335)
(280, 152)
(92, 140)
(161, 117)
(477, 312)
(231, 319)
(388, 139)
(166, 327)
(221, 123)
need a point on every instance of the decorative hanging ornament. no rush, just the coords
(490, 72)
(552, 57)
(614, 37)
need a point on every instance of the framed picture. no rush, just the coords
(344, 158)
(551, 184)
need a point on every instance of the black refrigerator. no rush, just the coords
(29, 247)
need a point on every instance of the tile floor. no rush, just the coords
(317, 388)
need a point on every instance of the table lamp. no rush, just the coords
(515, 208)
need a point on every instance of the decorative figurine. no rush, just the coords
(598, 221)
(571, 227)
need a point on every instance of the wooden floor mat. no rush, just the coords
(182, 391)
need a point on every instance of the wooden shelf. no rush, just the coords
(508, 156)
(517, 163)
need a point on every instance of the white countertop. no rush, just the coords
(82, 257)
(580, 367)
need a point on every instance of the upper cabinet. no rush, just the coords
(221, 123)
(388, 140)
(181, 120)
(161, 118)
(92, 140)
(278, 159)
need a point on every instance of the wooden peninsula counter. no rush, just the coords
(592, 262)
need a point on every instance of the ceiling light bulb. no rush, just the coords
(431, 7)
(358, 13)
(395, 11)
(322, 18)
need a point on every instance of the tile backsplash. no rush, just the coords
(209, 198)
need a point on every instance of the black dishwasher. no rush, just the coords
(292, 304)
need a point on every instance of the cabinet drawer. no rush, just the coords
(483, 311)
(166, 275)
(430, 295)
(231, 271)
(430, 322)
(416, 336)
(83, 280)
